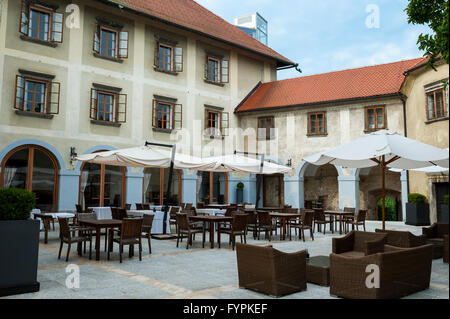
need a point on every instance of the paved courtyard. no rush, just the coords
(177, 273)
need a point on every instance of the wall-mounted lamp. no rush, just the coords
(73, 155)
(289, 163)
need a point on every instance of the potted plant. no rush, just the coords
(443, 215)
(417, 210)
(19, 242)
(239, 193)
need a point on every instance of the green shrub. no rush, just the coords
(446, 199)
(240, 185)
(390, 210)
(16, 203)
(416, 198)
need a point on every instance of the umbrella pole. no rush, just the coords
(383, 193)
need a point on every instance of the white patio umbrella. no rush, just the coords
(147, 156)
(386, 149)
(237, 163)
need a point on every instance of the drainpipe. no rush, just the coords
(403, 98)
(290, 67)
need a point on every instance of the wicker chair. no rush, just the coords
(66, 236)
(360, 220)
(184, 227)
(238, 228)
(252, 223)
(119, 213)
(359, 244)
(402, 271)
(404, 239)
(269, 271)
(446, 249)
(346, 219)
(200, 205)
(79, 209)
(92, 216)
(130, 234)
(306, 222)
(173, 217)
(127, 206)
(187, 207)
(435, 236)
(147, 224)
(265, 224)
(321, 220)
(139, 206)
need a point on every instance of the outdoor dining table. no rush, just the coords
(339, 214)
(284, 219)
(98, 225)
(212, 220)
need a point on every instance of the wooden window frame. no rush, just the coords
(176, 115)
(374, 108)
(51, 33)
(444, 110)
(219, 79)
(317, 122)
(116, 105)
(269, 130)
(163, 189)
(223, 119)
(51, 88)
(119, 39)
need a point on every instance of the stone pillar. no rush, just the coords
(189, 188)
(404, 182)
(294, 191)
(348, 191)
(250, 190)
(69, 182)
(134, 183)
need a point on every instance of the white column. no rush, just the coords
(348, 191)
(404, 182)
(293, 191)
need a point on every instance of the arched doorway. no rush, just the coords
(273, 190)
(102, 185)
(35, 169)
(155, 186)
(212, 188)
(321, 187)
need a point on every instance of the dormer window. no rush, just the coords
(41, 23)
(110, 41)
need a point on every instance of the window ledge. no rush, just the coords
(165, 71)
(366, 131)
(214, 83)
(35, 115)
(37, 41)
(317, 135)
(437, 120)
(109, 58)
(105, 123)
(162, 130)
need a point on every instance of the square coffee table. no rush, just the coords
(318, 270)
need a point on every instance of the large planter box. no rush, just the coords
(443, 215)
(19, 252)
(239, 195)
(417, 214)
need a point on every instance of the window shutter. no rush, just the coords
(123, 44)
(57, 27)
(53, 101)
(156, 61)
(154, 113)
(224, 69)
(178, 117)
(93, 109)
(96, 38)
(121, 108)
(224, 123)
(207, 128)
(24, 16)
(20, 90)
(272, 128)
(178, 58)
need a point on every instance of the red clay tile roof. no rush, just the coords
(371, 81)
(190, 15)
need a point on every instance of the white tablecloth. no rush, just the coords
(37, 211)
(102, 213)
(211, 211)
(54, 215)
(158, 221)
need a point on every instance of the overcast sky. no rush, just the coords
(330, 35)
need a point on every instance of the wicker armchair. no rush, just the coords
(402, 271)
(269, 271)
(66, 235)
(238, 228)
(436, 232)
(359, 244)
(129, 234)
(403, 239)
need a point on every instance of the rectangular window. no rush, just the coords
(317, 123)
(375, 118)
(216, 70)
(167, 115)
(41, 23)
(110, 42)
(168, 57)
(216, 123)
(266, 128)
(36, 95)
(108, 106)
(437, 104)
